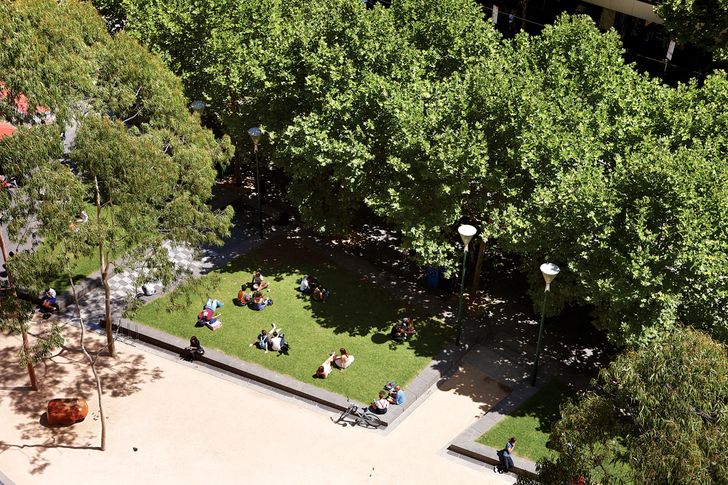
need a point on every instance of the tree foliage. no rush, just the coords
(701, 22)
(136, 140)
(552, 145)
(657, 414)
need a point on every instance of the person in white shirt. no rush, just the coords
(344, 359)
(379, 406)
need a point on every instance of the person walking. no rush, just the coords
(505, 456)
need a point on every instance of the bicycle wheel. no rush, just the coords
(371, 421)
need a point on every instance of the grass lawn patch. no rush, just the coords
(530, 423)
(357, 316)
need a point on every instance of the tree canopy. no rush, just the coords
(552, 145)
(657, 414)
(153, 164)
(701, 22)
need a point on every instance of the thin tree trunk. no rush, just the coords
(92, 363)
(104, 270)
(28, 357)
(478, 267)
(23, 331)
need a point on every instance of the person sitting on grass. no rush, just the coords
(258, 282)
(343, 360)
(379, 406)
(263, 341)
(403, 330)
(244, 298)
(396, 396)
(194, 350)
(277, 343)
(49, 302)
(320, 294)
(325, 368)
(259, 303)
(308, 284)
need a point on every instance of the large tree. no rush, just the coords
(552, 145)
(147, 163)
(657, 414)
(701, 22)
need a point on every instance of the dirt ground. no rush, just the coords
(170, 421)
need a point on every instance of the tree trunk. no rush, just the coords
(478, 267)
(23, 331)
(104, 270)
(92, 363)
(28, 358)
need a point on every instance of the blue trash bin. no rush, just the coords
(432, 277)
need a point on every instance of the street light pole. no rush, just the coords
(255, 135)
(466, 234)
(549, 271)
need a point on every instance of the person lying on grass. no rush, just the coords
(207, 315)
(258, 282)
(325, 368)
(343, 360)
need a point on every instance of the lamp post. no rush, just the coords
(466, 234)
(255, 135)
(549, 271)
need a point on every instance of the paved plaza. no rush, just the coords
(174, 422)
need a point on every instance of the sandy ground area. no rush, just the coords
(170, 421)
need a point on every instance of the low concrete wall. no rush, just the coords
(419, 386)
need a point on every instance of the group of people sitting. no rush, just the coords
(255, 300)
(391, 394)
(310, 286)
(341, 362)
(403, 330)
(273, 340)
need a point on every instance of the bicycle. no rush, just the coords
(360, 417)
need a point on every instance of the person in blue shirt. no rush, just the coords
(49, 302)
(506, 460)
(397, 396)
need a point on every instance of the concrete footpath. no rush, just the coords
(170, 421)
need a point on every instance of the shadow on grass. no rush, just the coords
(353, 309)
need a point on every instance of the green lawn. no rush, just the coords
(530, 423)
(358, 316)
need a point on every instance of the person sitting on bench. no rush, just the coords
(194, 350)
(325, 368)
(258, 282)
(49, 301)
(379, 406)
